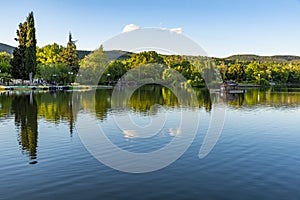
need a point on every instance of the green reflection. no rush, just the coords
(204, 98)
(102, 105)
(147, 96)
(144, 98)
(268, 97)
(5, 105)
(28, 108)
(56, 107)
(24, 108)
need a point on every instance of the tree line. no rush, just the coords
(29, 61)
(57, 64)
(260, 72)
(194, 69)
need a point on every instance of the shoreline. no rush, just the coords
(53, 88)
(90, 87)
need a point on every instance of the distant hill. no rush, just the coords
(118, 55)
(277, 58)
(112, 55)
(122, 55)
(6, 48)
(81, 53)
(9, 49)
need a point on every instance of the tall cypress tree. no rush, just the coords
(24, 56)
(30, 52)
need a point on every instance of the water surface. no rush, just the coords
(256, 156)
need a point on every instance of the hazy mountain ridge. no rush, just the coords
(121, 55)
(6, 48)
(112, 55)
(275, 58)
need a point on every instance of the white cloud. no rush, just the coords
(177, 30)
(130, 27)
(133, 27)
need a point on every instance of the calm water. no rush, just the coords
(256, 156)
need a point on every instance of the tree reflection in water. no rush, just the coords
(24, 108)
(29, 107)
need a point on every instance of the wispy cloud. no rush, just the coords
(177, 30)
(133, 27)
(130, 27)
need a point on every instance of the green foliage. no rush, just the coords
(143, 58)
(197, 70)
(262, 73)
(147, 73)
(5, 62)
(58, 73)
(30, 51)
(115, 70)
(206, 72)
(18, 62)
(69, 55)
(49, 54)
(24, 56)
(294, 73)
(5, 78)
(235, 71)
(61, 61)
(92, 67)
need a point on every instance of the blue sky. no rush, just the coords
(220, 27)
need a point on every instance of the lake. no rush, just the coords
(44, 155)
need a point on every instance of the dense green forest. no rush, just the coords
(53, 66)
(58, 64)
